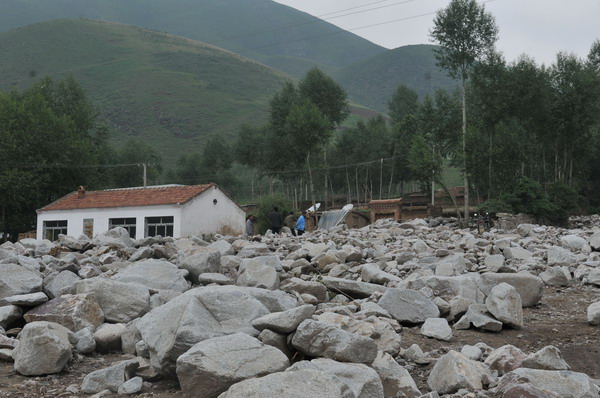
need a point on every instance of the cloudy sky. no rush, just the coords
(539, 28)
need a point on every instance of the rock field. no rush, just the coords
(395, 309)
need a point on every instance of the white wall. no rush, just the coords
(75, 218)
(201, 215)
(197, 217)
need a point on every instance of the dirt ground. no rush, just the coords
(559, 320)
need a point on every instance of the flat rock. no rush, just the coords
(362, 380)
(285, 321)
(351, 287)
(303, 383)
(409, 306)
(120, 301)
(27, 300)
(155, 274)
(564, 383)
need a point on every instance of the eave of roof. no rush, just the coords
(129, 197)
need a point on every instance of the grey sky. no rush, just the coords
(539, 28)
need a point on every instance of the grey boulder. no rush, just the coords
(44, 348)
(211, 366)
(319, 339)
(408, 306)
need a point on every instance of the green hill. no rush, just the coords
(231, 24)
(173, 92)
(372, 82)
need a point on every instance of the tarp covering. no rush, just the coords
(330, 219)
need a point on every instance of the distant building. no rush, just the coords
(166, 210)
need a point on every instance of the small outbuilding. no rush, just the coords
(166, 210)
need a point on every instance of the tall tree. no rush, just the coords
(465, 32)
(404, 102)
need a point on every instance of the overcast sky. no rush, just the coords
(539, 28)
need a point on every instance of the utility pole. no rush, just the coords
(145, 165)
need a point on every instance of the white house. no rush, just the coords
(166, 210)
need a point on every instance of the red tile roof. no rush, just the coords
(149, 196)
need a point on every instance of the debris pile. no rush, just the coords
(318, 315)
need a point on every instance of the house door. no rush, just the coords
(88, 227)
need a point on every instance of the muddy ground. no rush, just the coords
(559, 320)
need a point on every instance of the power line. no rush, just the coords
(316, 19)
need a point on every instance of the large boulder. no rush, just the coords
(396, 380)
(437, 328)
(110, 378)
(303, 383)
(352, 288)
(15, 279)
(211, 366)
(120, 302)
(362, 380)
(529, 287)
(454, 371)
(44, 348)
(155, 274)
(298, 285)
(408, 306)
(285, 321)
(382, 332)
(201, 260)
(319, 339)
(564, 383)
(593, 313)
(255, 274)
(200, 314)
(504, 303)
(61, 284)
(560, 256)
(505, 359)
(548, 358)
(74, 312)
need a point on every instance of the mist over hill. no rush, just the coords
(172, 91)
(274, 34)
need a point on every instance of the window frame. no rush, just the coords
(153, 225)
(61, 227)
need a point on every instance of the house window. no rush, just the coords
(127, 223)
(54, 228)
(88, 227)
(162, 226)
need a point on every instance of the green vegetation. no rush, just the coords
(171, 92)
(47, 133)
(248, 27)
(373, 81)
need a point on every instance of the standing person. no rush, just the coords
(301, 224)
(276, 220)
(250, 225)
(290, 222)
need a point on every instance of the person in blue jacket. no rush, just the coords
(301, 224)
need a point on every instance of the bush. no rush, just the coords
(494, 206)
(265, 207)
